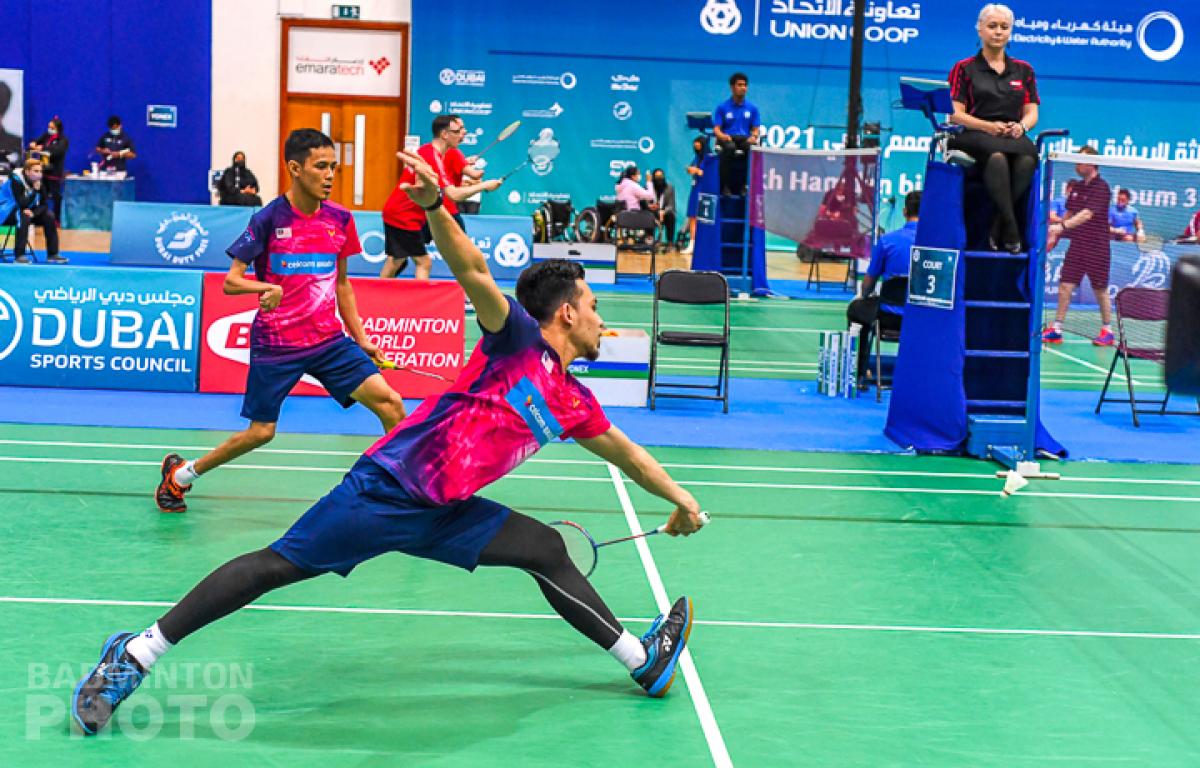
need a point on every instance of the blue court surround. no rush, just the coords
(786, 415)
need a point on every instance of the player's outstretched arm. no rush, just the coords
(639, 466)
(464, 259)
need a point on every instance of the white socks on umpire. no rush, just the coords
(148, 646)
(629, 651)
(187, 473)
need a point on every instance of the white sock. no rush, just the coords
(148, 646)
(1058, 326)
(1106, 328)
(187, 473)
(629, 651)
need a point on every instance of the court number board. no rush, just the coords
(706, 208)
(931, 277)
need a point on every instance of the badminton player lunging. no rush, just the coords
(413, 490)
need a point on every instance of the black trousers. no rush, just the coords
(46, 221)
(864, 311)
(53, 189)
(668, 224)
(735, 153)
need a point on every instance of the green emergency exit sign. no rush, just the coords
(346, 11)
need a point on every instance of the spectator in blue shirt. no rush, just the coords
(1123, 220)
(889, 259)
(115, 146)
(736, 125)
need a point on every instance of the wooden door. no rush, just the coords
(366, 134)
(362, 105)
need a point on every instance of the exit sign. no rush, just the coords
(345, 11)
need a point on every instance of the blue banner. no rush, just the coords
(1115, 74)
(505, 241)
(196, 236)
(164, 235)
(99, 327)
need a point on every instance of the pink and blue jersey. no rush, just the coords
(511, 399)
(299, 253)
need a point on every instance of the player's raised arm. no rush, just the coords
(464, 259)
(639, 466)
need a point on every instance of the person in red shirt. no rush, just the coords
(404, 228)
(1090, 255)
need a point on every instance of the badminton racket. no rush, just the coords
(541, 154)
(509, 130)
(387, 365)
(584, 550)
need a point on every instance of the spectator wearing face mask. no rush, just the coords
(115, 147)
(52, 148)
(664, 198)
(238, 185)
(24, 196)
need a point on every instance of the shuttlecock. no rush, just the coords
(1013, 482)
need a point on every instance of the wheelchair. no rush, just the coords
(597, 223)
(552, 222)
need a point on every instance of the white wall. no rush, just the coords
(245, 75)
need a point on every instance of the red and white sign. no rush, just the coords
(345, 62)
(416, 324)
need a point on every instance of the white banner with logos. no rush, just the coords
(344, 62)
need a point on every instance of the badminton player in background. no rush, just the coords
(298, 246)
(413, 491)
(405, 232)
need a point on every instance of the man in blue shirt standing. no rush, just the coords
(736, 125)
(115, 146)
(1123, 220)
(888, 259)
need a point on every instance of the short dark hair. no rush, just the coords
(302, 141)
(442, 122)
(1088, 149)
(736, 76)
(1125, 192)
(912, 204)
(629, 172)
(547, 285)
(114, 121)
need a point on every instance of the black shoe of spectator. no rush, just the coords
(57, 259)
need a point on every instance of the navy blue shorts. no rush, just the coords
(370, 513)
(340, 365)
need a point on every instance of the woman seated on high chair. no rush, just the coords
(996, 101)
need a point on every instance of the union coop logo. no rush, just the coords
(720, 17)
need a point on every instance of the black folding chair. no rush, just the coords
(1145, 305)
(679, 286)
(8, 235)
(893, 292)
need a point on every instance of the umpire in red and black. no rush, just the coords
(996, 101)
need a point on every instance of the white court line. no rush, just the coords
(1093, 366)
(627, 620)
(597, 462)
(708, 722)
(698, 483)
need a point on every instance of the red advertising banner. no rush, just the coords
(418, 325)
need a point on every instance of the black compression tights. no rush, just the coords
(539, 550)
(1007, 178)
(521, 543)
(234, 585)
